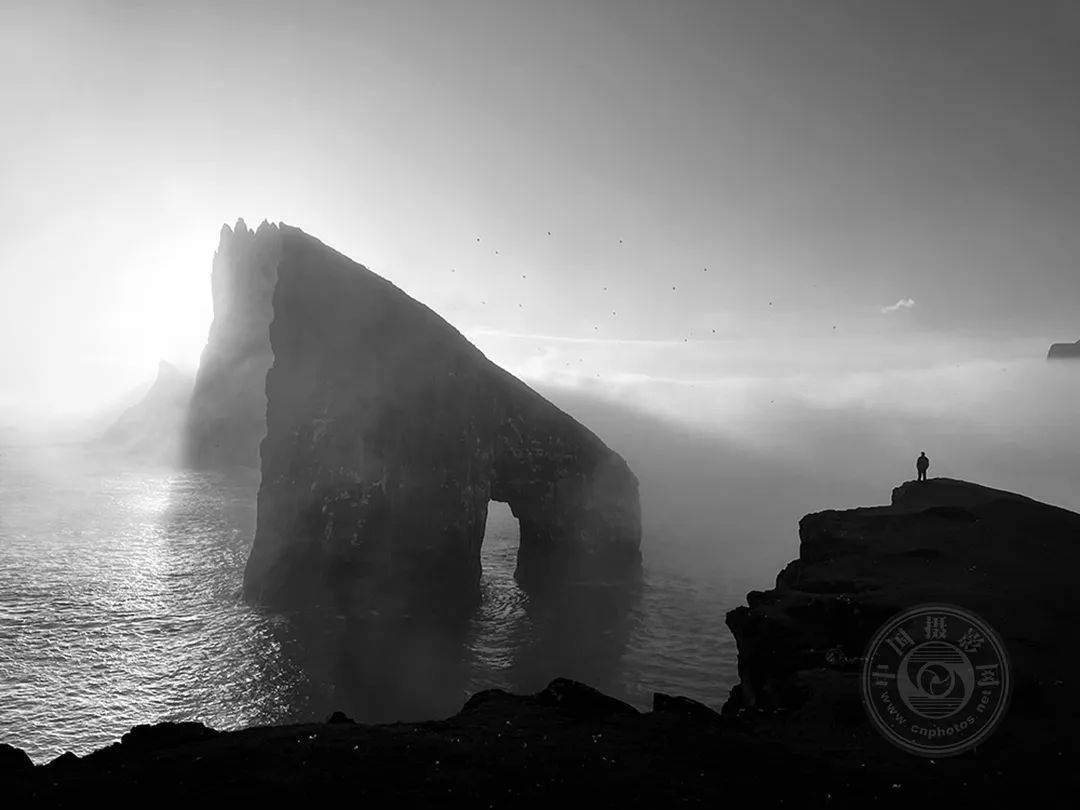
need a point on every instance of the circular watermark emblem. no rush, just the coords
(935, 680)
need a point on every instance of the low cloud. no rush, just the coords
(903, 303)
(483, 332)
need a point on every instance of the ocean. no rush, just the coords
(120, 604)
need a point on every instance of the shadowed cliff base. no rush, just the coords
(386, 436)
(389, 666)
(1009, 559)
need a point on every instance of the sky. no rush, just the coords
(642, 198)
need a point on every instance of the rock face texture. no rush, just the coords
(227, 417)
(387, 434)
(1010, 559)
(153, 427)
(1064, 351)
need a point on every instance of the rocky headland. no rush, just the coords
(1064, 351)
(1007, 558)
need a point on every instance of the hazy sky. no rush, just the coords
(870, 185)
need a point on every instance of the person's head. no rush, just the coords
(922, 452)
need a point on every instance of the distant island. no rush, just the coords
(151, 429)
(1064, 351)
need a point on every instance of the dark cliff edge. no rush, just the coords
(1064, 351)
(566, 744)
(387, 435)
(1010, 559)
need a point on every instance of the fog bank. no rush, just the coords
(729, 483)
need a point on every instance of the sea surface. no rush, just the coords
(120, 604)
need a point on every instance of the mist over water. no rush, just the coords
(120, 585)
(726, 473)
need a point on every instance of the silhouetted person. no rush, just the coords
(922, 463)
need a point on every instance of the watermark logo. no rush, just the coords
(936, 680)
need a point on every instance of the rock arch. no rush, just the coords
(386, 435)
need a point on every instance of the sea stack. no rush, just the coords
(386, 436)
(1064, 351)
(227, 417)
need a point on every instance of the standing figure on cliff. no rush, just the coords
(922, 463)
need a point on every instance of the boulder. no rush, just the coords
(165, 735)
(581, 700)
(684, 707)
(14, 760)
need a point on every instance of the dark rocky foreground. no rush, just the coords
(567, 744)
(793, 734)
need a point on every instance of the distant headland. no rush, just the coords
(1064, 351)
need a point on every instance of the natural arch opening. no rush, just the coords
(500, 543)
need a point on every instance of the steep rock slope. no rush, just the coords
(1009, 559)
(388, 433)
(227, 417)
